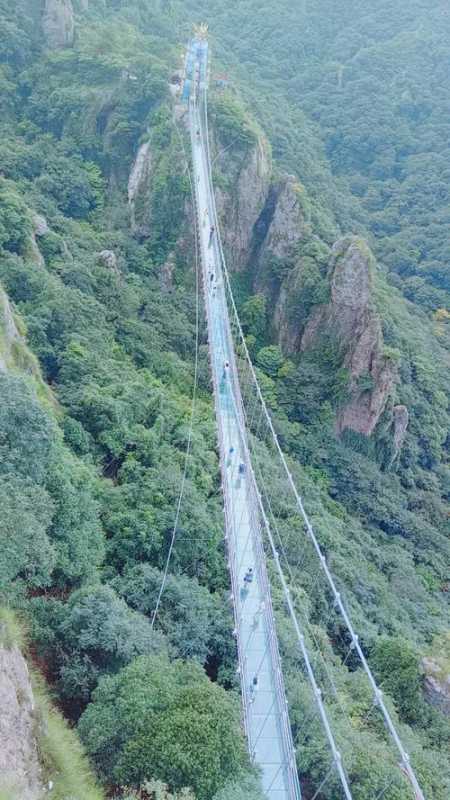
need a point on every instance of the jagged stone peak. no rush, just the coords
(351, 321)
(58, 23)
(351, 272)
(287, 223)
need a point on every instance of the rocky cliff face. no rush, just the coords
(139, 191)
(9, 334)
(265, 225)
(279, 233)
(351, 321)
(242, 201)
(20, 771)
(58, 23)
(286, 224)
(436, 686)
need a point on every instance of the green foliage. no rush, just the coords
(193, 619)
(15, 223)
(156, 790)
(164, 720)
(51, 530)
(243, 785)
(231, 122)
(11, 631)
(254, 315)
(62, 758)
(77, 188)
(396, 667)
(26, 550)
(270, 359)
(94, 633)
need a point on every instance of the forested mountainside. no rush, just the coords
(330, 148)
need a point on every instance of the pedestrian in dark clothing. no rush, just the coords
(248, 577)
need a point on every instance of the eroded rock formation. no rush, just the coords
(265, 225)
(58, 23)
(287, 221)
(437, 685)
(139, 191)
(9, 334)
(351, 321)
(239, 206)
(109, 259)
(20, 771)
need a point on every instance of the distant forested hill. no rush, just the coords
(371, 83)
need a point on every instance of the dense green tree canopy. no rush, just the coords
(164, 720)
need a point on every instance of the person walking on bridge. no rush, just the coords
(254, 686)
(248, 578)
(258, 614)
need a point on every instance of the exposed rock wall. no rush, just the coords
(350, 320)
(400, 423)
(239, 205)
(265, 223)
(9, 334)
(437, 685)
(20, 771)
(287, 224)
(139, 192)
(58, 23)
(282, 225)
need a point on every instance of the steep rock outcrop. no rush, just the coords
(400, 426)
(40, 228)
(286, 227)
(351, 321)
(240, 204)
(166, 274)
(278, 234)
(58, 23)
(109, 259)
(20, 771)
(266, 229)
(9, 334)
(139, 192)
(436, 685)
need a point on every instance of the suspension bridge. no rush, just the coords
(250, 522)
